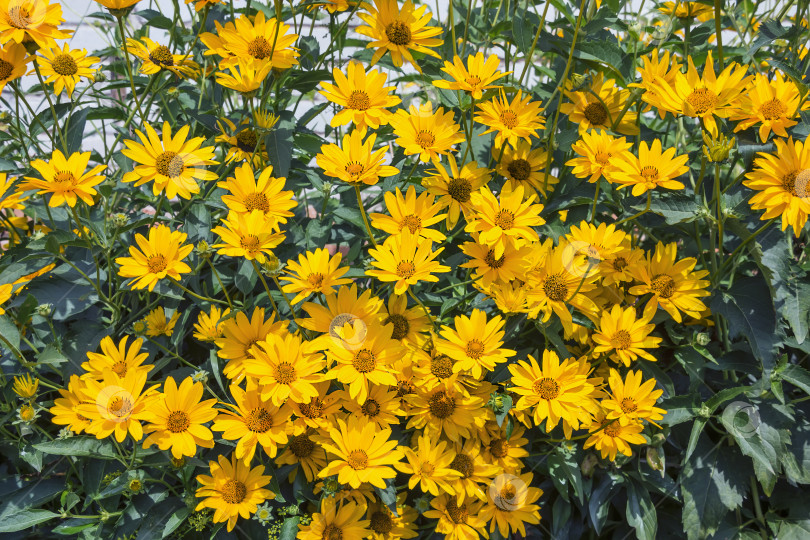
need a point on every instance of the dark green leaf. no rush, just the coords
(289, 529)
(14, 520)
(640, 512)
(75, 131)
(78, 447)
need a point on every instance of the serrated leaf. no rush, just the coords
(78, 447)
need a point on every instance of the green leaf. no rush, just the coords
(797, 376)
(289, 529)
(675, 207)
(51, 355)
(14, 519)
(501, 414)
(524, 29)
(388, 496)
(640, 512)
(11, 336)
(279, 144)
(75, 131)
(245, 278)
(604, 52)
(78, 447)
(175, 520)
(599, 502)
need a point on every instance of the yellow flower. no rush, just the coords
(455, 188)
(504, 451)
(446, 410)
(116, 358)
(380, 407)
(26, 21)
(27, 413)
(13, 59)
(304, 452)
(363, 95)
(405, 259)
(318, 412)
(425, 132)
(256, 41)
(25, 386)
(245, 76)
(510, 504)
(772, 104)
(356, 161)
(336, 521)
(65, 67)
(409, 325)
(687, 10)
(247, 144)
(247, 235)
(115, 405)
(475, 471)
(65, 409)
(399, 31)
(508, 216)
(156, 57)
(247, 193)
(174, 163)
(341, 307)
(782, 184)
(161, 255)
(177, 419)
(610, 437)
(157, 325)
(118, 7)
(200, 5)
(314, 272)
(66, 178)
(475, 343)
(209, 326)
(588, 245)
(387, 525)
(475, 78)
(653, 68)
(11, 200)
(598, 153)
(624, 336)
(519, 119)
(457, 520)
(360, 452)
(417, 214)
(632, 400)
(428, 464)
(240, 334)
(600, 106)
(651, 169)
(523, 166)
(232, 490)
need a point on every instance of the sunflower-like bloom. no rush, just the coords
(651, 169)
(508, 216)
(446, 410)
(10, 200)
(556, 391)
(422, 131)
(772, 104)
(519, 119)
(160, 255)
(409, 325)
(117, 405)
(239, 334)
(476, 77)
(247, 193)
(474, 469)
(319, 412)
(360, 452)
(362, 94)
(314, 272)
(247, 235)
(475, 343)
(341, 307)
(504, 447)
(66, 179)
(673, 284)
(457, 520)
(158, 325)
(488, 270)
(156, 57)
(588, 245)
(616, 268)
(381, 407)
(174, 163)
(597, 154)
(178, 417)
(666, 67)
(511, 504)
(428, 464)
(356, 161)
(245, 76)
(386, 524)
(687, 10)
(264, 43)
(246, 141)
(399, 31)
(410, 212)
(632, 400)
(65, 409)
(117, 358)
(524, 166)
(405, 259)
(782, 184)
(589, 111)
(26, 21)
(118, 7)
(704, 96)
(209, 326)
(13, 59)
(456, 186)
(336, 521)
(625, 336)
(25, 386)
(233, 490)
(305, 453)
(65, 67)
(610, 437)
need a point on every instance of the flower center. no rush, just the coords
(364, 361)
(371, 408)
(257, 201)
(441, 366)
(156, 264)
(613, 429)
(427, 468)
(248, 345)
(499, 448)
(249, 242)
(475, 348)
(702, 100)
(505, 219)
(64, 177)
(354, 168)
(401, 325)
(381, 522)
(398, 33)
(64, 64)
(332, 532)
(120, 368)
(460, 189)
(285, 373)
(260, 48)
(358, 100)
(234, 492)
(547, 388)
(441, 405)
(555, 288)
(629, 405)
(246, 140)
(120, 407)
(162, 56)
(259, 420)
(595, 113)
(473, 80)
(457, 513)
(796, 183)
(425, 139)
(773, 109)
(519, 169)
(5, 70)
(413, 222)
(405, 387)
(169, 164)
(492, 262)
(358, 460)
(663, 285)
(302, 446)
(463, 464)
(406, 269)
(621, 340)
(602, 158)
(509, 118)
(19, 17)
(313, 409)
(619, 264)
(178, 422)
(508, 492)
(315, 280)
(649, 173)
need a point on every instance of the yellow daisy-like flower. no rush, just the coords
(405, 259)
(674, 286)
(174, 163)
(265, 43)
(457, 520)
(385, 525)
(380, 407)
(687, 10)
(65, 67)
(200, 5)
(248, 235)
(502, 450)
(417, 214)
(254, 421)
(665, 67)
(156, 57)
(66, 179)
(158, 325)
(247, 193)
(518, 119)
(245, 77)
(233, 490)
(409, 325)
(10, 200)
(597, 154)
(362, 94)
(65, 409)
(616, 267)
(178, 417)
(399, 31)
(13, 59)
(428, 464)
(319, 412)
(240, 334)
(475, 343)
(445, 410)
(246, 141)
(24, 21)
(25, 386)
(360, 452)
(510, 504)
(209, 326)
(632, 400)
(356, 161)
(117, 358)
(772, 104)
(508, 216)
(305, 453)
(342, 521)
(600, 106)
(341, 307)
(314, 272)
(475, 471)
(624, 336)
(651, 169)
(476, 77)
(488, 270)
(422, 131)
(118, 7)
(160, 255)
(523, 166)
(456, 186)
(782, 184)
(556, 391)
(610, 437)
(586, 246)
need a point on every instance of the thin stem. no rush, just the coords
(595, 198)
(197, 296)
(53, 109)
(224, 290)
(286, 298)
(365, 217)
(634, 216)
(266, 288)
(129, 69)
(424, 307)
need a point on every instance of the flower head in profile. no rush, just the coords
(455, 185)
(25, 386)
(13, 59)
(399, 31)
(597, 153)
(66, 178)
(245, 76)
(476, 77)
(405, 259)
(65, 67)
(158, 325)
(600, 107)
(422, 131)
(160, 255)
(209, 325)
(510, 121)
(65, 409)
(355, 161)
(651, 169)
(31, 21)
(247, 235)
(156, 57)
(362, 94)
(315, 271)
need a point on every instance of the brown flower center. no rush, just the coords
(178, 422)
(458, 514)
(302, 446)
(249, 242)
(162, 56)
(663, 285)
(621, 340)
(5, 70)
(313, 409)
(555, 288)
(259, 420)
(505, 219)
(475, 348)
(354, 168)
(257, 201)
(358, 460)
(441, 366)
(120, 407)
(260, 48)
(412, 222)
(358, 100)
(371, 408)
(169, 164)
(797, 183)
(401, 325)
(64, 64)
(507, 493)
(364, 361)
(463, 464)
(246, 140)
(492, 262)
(19, 17)
(702, 100)
(64, 177)
(649, 173)
(613, 429)
(773, 109)
(519, 169)
(602, 158)
(285, 373)
(460, 189)
(473, 81)
(499, 448)
(629, 405)
(595, 113)
(332, 532)
(398, 33)
(233, 492)
(441, 405)
(315, 280)
(547, 388)
(120, 368)
(427, 469)
(406, 269)
(405, 387)
(381, 522)
(156, 264)
(509, 119)
(619, 264)
(425, 139)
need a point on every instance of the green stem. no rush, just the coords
(129, 69)
(634, 216)
(266, 288)
(197, 296)
(224, 290)
(424, 307)
(286, 298)
(365, 217)
(53, 109)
